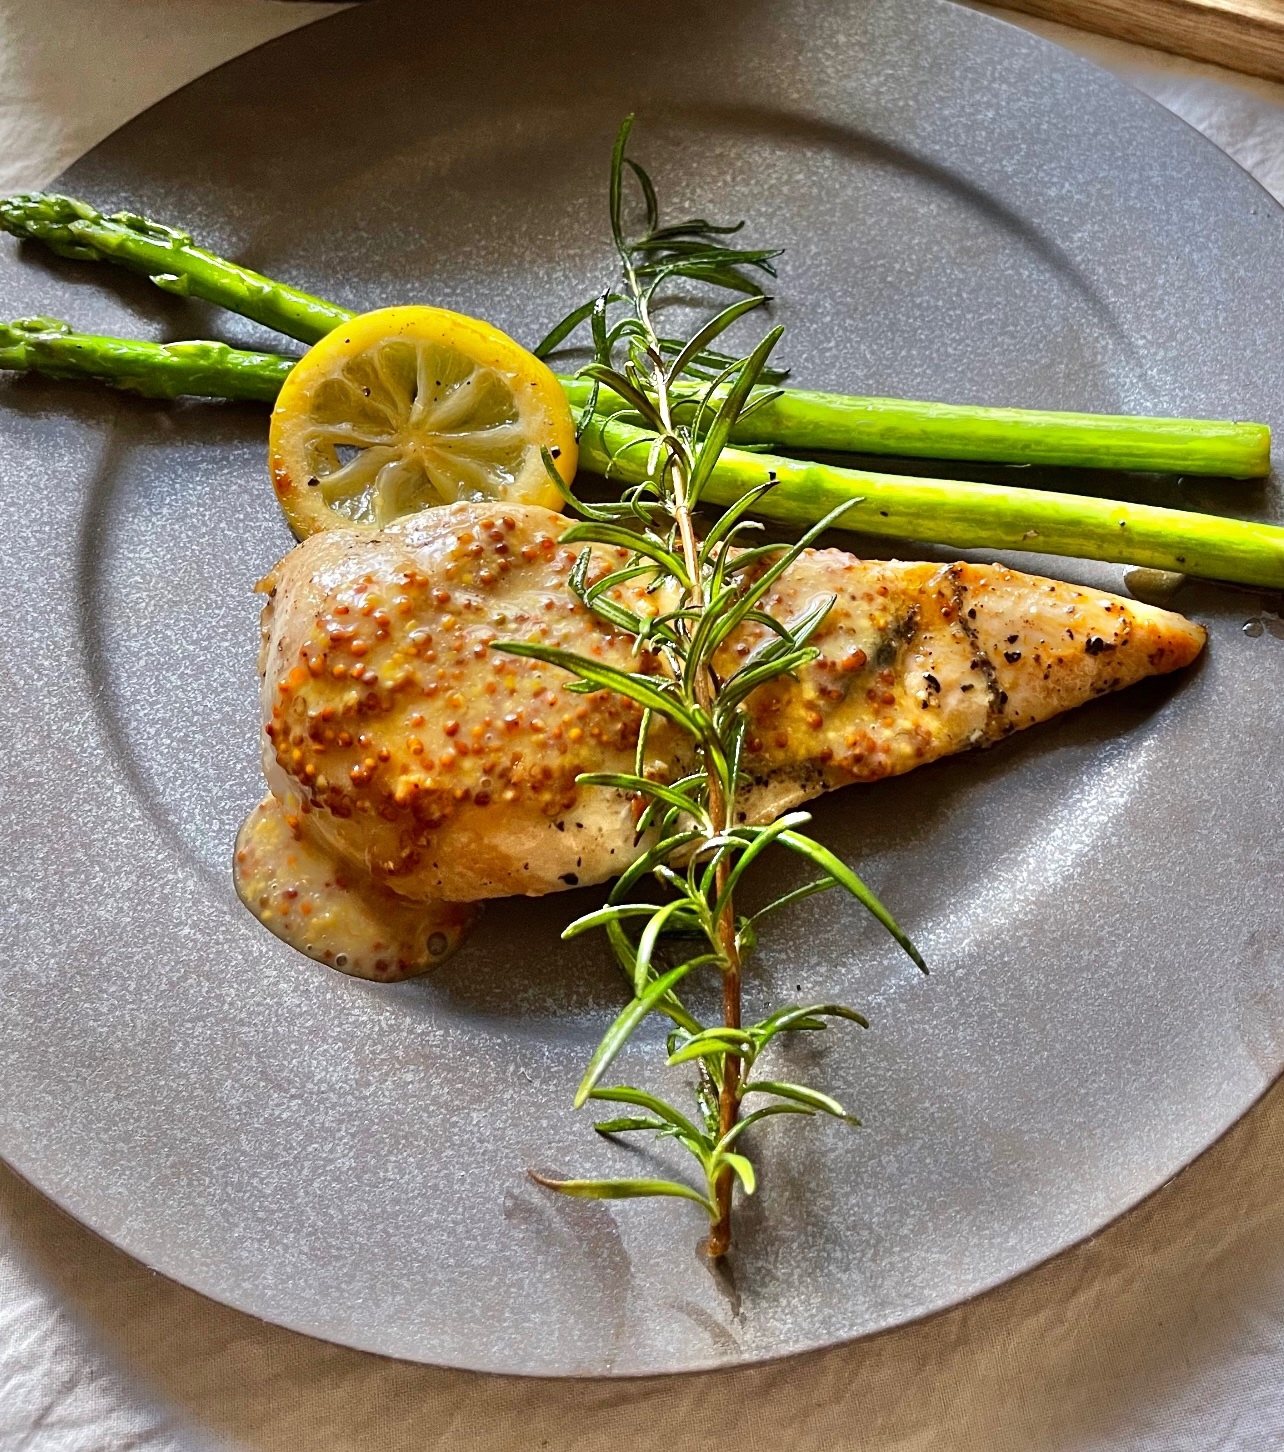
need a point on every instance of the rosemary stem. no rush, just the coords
(720, 809)
(719, 1241)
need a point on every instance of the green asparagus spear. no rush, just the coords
(796, 419)
(966, 515)
(157, 370)
(170, 259)
(948, 512)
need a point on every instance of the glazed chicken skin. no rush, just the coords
(402, 744)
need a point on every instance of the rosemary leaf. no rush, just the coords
(627, 1126)
(624, 1026)
(800, 1093)
(624, 1094)
(623, 1190)
(786, 1019)
(741, 1125)
(838, 869)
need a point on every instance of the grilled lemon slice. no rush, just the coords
(408, 407)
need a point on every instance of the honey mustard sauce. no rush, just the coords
(333, 913)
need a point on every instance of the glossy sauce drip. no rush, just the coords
(333, 914)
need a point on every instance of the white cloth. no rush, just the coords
(1164, 1334)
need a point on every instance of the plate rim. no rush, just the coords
(743, 1360)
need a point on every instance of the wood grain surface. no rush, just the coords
(1245, 35)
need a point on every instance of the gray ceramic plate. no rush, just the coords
(970, 214)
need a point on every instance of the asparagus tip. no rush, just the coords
(16, 336)
(73, 228)
(44, 217)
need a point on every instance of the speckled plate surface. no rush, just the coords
(970, 214)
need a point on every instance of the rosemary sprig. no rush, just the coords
(689, 395)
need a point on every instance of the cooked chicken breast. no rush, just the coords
(401, 743)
